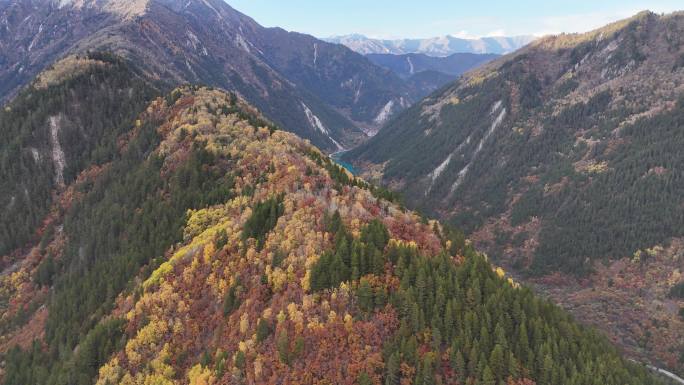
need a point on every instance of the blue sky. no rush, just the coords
(428, 18)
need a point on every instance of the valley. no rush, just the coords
(559, 160)
(239, 293)
(190, 197)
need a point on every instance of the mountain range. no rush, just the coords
(322, 91)
(426, 73)
(562, 160)
(407, 65)
(172, 212)
(436, 46)
(196, 243)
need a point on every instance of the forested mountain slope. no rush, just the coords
(209, 247)
(549, 132)
(560, 155)
(70, 118)
(321, 91)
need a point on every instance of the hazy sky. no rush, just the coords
(428, 18)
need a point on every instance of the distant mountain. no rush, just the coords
(407, 65)
(427, 73)
(436, 46)
(560, 156)
(322, 91)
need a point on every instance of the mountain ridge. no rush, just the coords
(163, 234)
(291, 77)
(212, 247)
(406, 65)
(547, 155)
(436, 46)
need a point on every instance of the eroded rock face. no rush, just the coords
(58, 158)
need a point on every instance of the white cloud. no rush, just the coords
(464, 35)
(495, 33)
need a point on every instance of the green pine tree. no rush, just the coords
(487, 377)
(364, 295)
(393, 375)
(497, 363)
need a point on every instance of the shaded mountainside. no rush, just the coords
(426, 82)
(436, 46)
(24, 51)
(560, 155)
(408, 65)
(208, 247)
(71, 118)
(321, 91)
(426, 74)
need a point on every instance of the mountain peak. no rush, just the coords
(126, 8)
(569, 40)
(133, 8)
